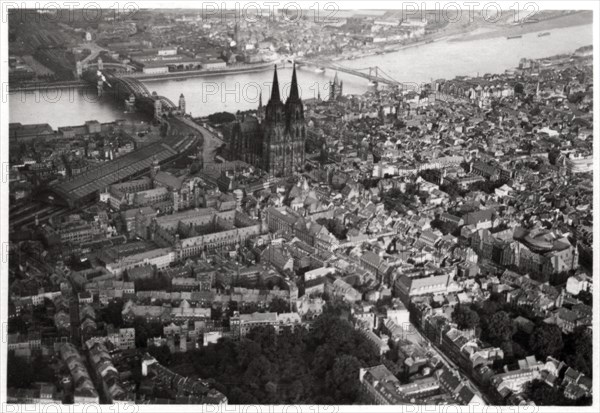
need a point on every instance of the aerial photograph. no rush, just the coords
(301, 204)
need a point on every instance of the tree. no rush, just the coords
(231, 308)
(249, 350)
(162, 354)
(542, 277)
(19, 372)
(546, 340)
(396, 200)
(542, 394)
(451, 190)
(465, 318)
(578, 350)
(145, 330)
(519, 89)
(445, 227)
(279, 305)
(498, 328)
(342, 379)
(585, 297)
(112, 313)
(576, 97)
(383, 304)
(221, 117)
(561, 277)
(42, 371)
(336, 227)
(157, 282)
(216, 312)
(249, 308)
(553, 155)
(302, 366)
(17, 325)
(195, 167)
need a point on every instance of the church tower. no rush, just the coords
(295, 128)
(335, 88)
(332, 87)
(273, 133)
(261, 109)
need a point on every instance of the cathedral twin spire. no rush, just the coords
(294, 94)
(275, 89)
(292, 110)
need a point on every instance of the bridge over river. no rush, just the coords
(374, 74)
(130, 90)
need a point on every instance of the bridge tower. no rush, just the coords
(79, 69)
(182, 104)
(157, 109)
(100, 86)
(130, 102)
(157, 106)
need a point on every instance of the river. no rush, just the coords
(207, 95)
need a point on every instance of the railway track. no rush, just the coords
(42, 214)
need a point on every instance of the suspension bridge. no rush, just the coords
(374, 74)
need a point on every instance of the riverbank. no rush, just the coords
(242, 68)
(579, 18)
(387, 48)
(391, 48)
(75, 84)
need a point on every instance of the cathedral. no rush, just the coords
(274, 139)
